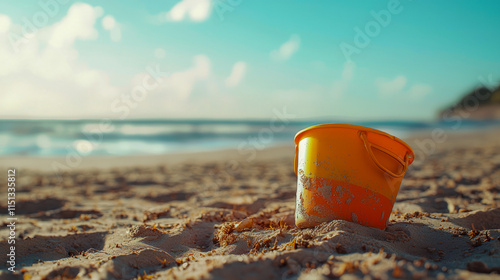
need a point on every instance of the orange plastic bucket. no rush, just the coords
(348, 172)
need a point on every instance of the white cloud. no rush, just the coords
(398, 86)
(315, 99)
(4, 23)
(77, 24)
(390, 87)
(340, 86)
(159, 53)
(109, 23)
(194, 10)
(419, 91)
(45, 76)
(194, 92)
(287, 49)
(330, 92)
(348, 71)
(99, 11)
(237, 74)
(181, 83)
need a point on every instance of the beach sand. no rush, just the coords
(226, 215)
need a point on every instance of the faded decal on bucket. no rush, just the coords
(321, 200)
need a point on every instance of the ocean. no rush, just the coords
(153, 137)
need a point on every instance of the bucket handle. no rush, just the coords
(369, 148)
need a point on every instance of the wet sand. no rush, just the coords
(225, 215)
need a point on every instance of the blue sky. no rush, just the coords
(243, 59)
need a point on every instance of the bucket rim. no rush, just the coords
(357, 127)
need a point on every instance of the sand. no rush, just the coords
(224, 216)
